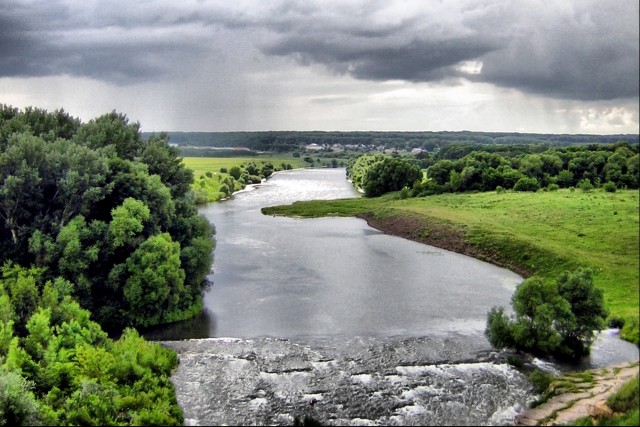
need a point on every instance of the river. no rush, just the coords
(331, 318)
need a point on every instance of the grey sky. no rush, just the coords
(528, 66)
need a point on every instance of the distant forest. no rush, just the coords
(287, 141)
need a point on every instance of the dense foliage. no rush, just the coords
(377, 174)
(588, 166)
(112, 213)
(557, 319)
(57, 367)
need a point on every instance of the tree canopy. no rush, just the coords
(551, 319)
(87, 200)
(377, 174)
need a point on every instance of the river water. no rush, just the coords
(331, 318)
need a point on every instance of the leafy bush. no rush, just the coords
(405, 192)
(553, 187)
(378, 174)
(62, 369)
(515, 361)
(626, 398)
(527, 184)
(556, 319)
(585, 185)
(609, 187)
(615, 322)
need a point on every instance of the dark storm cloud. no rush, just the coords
(586, 50)
(583, 50)
(48, 39)
(416, 61)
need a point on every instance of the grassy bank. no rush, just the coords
(208, 176)
(543, 233)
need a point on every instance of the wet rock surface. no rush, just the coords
(339, 381)
(586, 398)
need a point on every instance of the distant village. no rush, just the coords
(336, 148)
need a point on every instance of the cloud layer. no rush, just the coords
(585, 50)
(261, 64)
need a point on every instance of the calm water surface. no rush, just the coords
(287, 277)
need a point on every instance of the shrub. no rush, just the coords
(609, 187)
(626, 398)
(585, 185)
(540, 380)
(500, 189)
(405, 193)
(515, 361)
(629, 331)
(223, 170)
(527, 184)
(553, 187)
(615, 322)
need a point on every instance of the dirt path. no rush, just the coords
(580, 396)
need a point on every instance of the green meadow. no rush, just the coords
(542, 233)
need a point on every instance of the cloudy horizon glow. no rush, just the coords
(197, 65)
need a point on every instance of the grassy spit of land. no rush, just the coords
(542, 233)
(209, 173)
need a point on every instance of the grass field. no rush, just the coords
(545, 233)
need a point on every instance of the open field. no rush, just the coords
(543, 233)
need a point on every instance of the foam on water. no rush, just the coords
(364, 381)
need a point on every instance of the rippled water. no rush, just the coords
(357, 381)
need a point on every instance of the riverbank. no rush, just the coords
(437, 234)
(542, 234)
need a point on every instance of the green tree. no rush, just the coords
(587, 308)
(127, 221)
(557, 319)
(155, 280)
(389, 174)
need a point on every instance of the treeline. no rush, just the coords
(95, 223)
(289, 141)
(610, 166)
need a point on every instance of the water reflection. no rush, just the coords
(200, 326)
